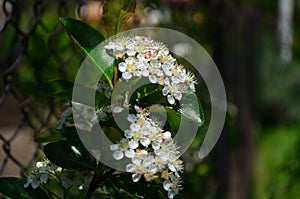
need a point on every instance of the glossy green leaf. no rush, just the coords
(85, 36)
(115, 15)
(14, 188)
(87, 39)
(174, 118)
(67, 154)
(190, 108)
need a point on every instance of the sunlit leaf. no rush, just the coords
(115, 15)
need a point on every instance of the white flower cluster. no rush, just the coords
(84, 115)
(152, 151)
(45, 171)
(142, 57)
(65, 116)
(40, 174)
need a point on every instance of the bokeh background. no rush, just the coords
(255, 44)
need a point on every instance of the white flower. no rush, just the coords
(151, 149)
(133, 144)
(122, 148)
(172, 185)
(167, 68)
(131, 52)
(122, 66)
(44, 178)
(117, 109)
(131, 118)
(40, 174)
(143, 137)
(110, 46)
(191, 81)
(167, 135)
(172, 91)
(151, 59)
(145, 141)
(142, 163)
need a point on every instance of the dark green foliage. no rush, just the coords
(14, 188)
(70, 154)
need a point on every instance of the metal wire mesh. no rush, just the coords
(33, 49)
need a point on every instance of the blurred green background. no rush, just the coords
(256, 46)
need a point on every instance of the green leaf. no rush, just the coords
(115, 15)
(58, 88)
(112, 133)
(124, 187)
(86, 36)
(128, 195)
(174, 117)
(190, 108)
(87, 39)
(49, 135)
(70, 155)
(63, 90)
(54, 135)
(14, 188)
(101, 99)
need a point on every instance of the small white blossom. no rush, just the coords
(142, 137)
(172, 185)
(167, 135)
(117, 109)
(44, 171)
(151, 149)
(121, 149)
(40, 174)
(143, 57)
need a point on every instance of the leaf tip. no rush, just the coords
(63, 20)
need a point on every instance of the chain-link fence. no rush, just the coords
(34, 49)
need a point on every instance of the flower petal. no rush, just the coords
(130, 168)
(122, 67)
(130, 153)
(136, 177)
(133, 144)
(114, 147)
(167, 185)
(127, 75)
(118, 155)
(171, 99)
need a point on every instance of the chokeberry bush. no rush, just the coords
(153, 166)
